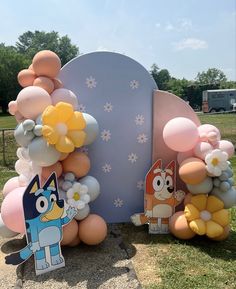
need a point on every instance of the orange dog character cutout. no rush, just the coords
(160, 198)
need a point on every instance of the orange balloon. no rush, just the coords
(63, 156)
(45, 83)
(57, 83)
(46, 63)
(47, 171)
(31, 67)
(76, 241)
(92, 230)
(77, 163)
(179, 226)
(26, 77)
(187, 199)
(70, 231)
(192, 171)
(224, 235)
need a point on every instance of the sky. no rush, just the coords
(183, 36)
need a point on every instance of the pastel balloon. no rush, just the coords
(83, 213)
(10, 185)
(23, 138)
(75, 242)
(93, 186)
(4, 231)
(47, 171)
(201, 149)
(181, 156)
(26, 77)
(19, 117)
(187, 199)
(32, 100)
(37, 130)
(208, 132)
(64, 95)
(204, 187)
(12, 210)
(46, 63)
(91, 129)
(63, 156)
(45, 83)
(43, 154)
(225, 146)
(228, 198)
(180, 134)
(12, 107)
(179, 226)
(92, 230)
(224, 236)
(77, 163)
(192, 171)
(70, 232)
(57, 83)
(31, 67)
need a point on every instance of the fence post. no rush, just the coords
(3, 148)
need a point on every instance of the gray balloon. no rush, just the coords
(23, 138)
(42, 153)
(28, 124)
(93, 186)
(4, 231)
(228, 198)
(203, 188)
(91, 129)
(83, 213)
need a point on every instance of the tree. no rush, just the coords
(178, 87)
(30, 43)
(161, 77)
(212, 76)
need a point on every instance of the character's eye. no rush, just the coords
(53, 198)
(169, 181)
(158, 183)
(42, 204)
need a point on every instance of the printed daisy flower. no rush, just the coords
(118, 203)
(91, 82)
(216, 162)
(78, 196)
(206, 215)
(63, 127)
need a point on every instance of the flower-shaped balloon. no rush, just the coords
(216, 162)
(206, 215)
(63, 127)
(78, 196)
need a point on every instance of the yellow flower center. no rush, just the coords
(76, 196)
(214, 162)
(205, 215)
(61, 128)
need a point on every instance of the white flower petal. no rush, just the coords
(83, 189)
(70, 193)
(85, 198)
(77, 187)
(80, 205)
(217, 171)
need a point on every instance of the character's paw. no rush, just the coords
(135, 219)
(71, 212)
(179, 195)
(57, 259)
(148, 213)
(154, 228)
(164, 229)
(41, 264)
(35, 247)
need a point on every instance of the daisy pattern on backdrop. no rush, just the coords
(134, 84)
(106, 168)
(140, 185)
(81, 108)
(132, 158)
(84, 150)
(91, 82)
(118, 203)
(108, 107)
(106, 135)
(139, 119)
(142, 138)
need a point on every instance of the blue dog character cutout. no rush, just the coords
(44, 218)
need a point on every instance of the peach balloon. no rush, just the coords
(77, 163)
(47, 171)
(12, 107)
(63, 156)
(179, 226)
(57, 83)
(19, 117)
(26, 77)
(223, 236)
(92, 230)
(181, 156)
(45, 83)
(10, 185)
(31, 67)
(75, 242)
(187, 199)
(46, 63)
(32, 100)
(70, 232)
(192, 171)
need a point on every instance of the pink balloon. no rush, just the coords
(184, 155)
(208, 132)
(180, 134)
(19, 117)
(32, 100)
(202, 149)
(64, 95)
(12, 210)
(10, 185)
(12, 107)
(225, 146)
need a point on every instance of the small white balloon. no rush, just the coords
(82, 213)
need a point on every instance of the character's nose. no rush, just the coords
(60, 203)
(170, 189)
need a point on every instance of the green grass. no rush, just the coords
(7, 121)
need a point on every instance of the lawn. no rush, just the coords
(7, 121)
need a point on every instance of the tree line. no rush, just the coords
(17, 57)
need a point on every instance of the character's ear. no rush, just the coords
(171, 166)
(155, 169)
(51, 182)
(33, 186)
(157, 166)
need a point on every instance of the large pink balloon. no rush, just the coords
(208, 132)
(180, 134)
(10, 185)
(201, 149)
(64, 95)
(32, 100)
(181, 156)
(12, 210)
(225, 146)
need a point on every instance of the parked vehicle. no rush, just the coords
(218, 100)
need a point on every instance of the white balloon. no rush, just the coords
(91, 129)
(83, 213)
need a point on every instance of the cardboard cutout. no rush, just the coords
(44, 219)
(160, 198)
